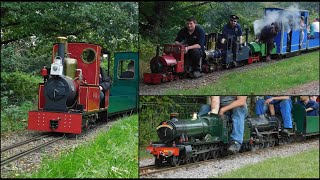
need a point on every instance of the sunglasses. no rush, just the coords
(233, 21)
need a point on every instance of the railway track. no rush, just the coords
(28, 151)
(152, 169)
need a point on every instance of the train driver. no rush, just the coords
(279, 104)
(194, 37)
(129, 73)
(104, 80)
(229, 107)
(233, 29)
(312, 107)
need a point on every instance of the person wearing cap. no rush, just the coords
(233, 29)
(194, 37)
(267, 35)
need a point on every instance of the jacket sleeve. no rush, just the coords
(105, 83)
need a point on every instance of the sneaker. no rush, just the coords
(235, 64)
(234, 147)
(197, 74)
(286, 131)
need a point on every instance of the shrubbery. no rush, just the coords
(18, 96)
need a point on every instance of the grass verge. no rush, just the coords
(301, 165)
(268, 79)
(113, 154)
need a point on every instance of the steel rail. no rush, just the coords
(23, 142)
(24, 153)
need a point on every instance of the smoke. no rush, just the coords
(290, 15)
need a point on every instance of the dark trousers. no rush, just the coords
(193, 59)
(269, 44)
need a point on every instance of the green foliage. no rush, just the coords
(28, 29)
(113, 154)
(155, 109)
(19, 87)
(15, 117)
(269, 79)
(18, 96)
(302, 165)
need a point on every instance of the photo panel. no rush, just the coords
(227, 48)
(208, 136)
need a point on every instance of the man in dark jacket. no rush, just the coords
(104, 85)
(194, 37)
(267, 35)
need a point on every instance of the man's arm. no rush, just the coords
(215, 104)
(277, 98)
(241, 101)
(315, 106)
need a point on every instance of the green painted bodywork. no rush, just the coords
(124, 92)
(212, 124)
(305, 124)
(260, 48)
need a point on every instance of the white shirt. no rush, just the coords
(315, 26)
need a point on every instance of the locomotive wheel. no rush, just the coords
(205, 156)
(188, 160)
(214, 154)
(196, 158)
(175, 161)
(158, 162)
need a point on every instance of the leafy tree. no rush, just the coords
(34, 26)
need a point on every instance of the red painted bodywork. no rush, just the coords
(67, 122)
(253, 59)
(88, 94)
(172, 61)
(163, 151)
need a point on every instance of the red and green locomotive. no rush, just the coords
(69, 97)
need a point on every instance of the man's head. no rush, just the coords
(304, 98)
(274, 28)
(191, 23)
(314, 98)
(233, 20)
(131, 66)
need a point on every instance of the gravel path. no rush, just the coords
(214, 76)
(220, 166)
(31, 162)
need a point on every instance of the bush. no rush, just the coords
(19, 87)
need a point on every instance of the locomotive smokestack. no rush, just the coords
(62, 47)
(247, 33)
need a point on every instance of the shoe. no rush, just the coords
(234, 147)
(235, 64)
(197, 74)
(190, 74)
(268, 58)
(286, 131)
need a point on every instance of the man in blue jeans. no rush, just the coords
(234, 107)
(280, 104)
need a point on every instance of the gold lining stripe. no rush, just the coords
(165, 125)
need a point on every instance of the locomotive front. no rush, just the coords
(61, 90)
